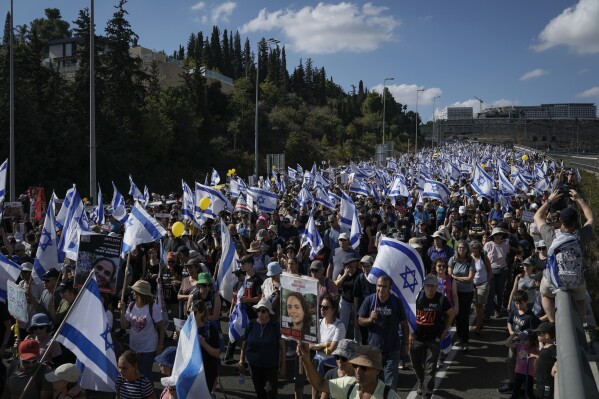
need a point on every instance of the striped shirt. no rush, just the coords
(140, 388)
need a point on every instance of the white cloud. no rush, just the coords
(406, 94)
(576, 27)
(199, 6)
(592, 92)
(223, 11)
(583, 71)
(329, 28)
(535, 73)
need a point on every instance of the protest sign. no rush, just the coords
(13, 210)
(17, 303)
(100, 253)
(299, 307)
(528, 216)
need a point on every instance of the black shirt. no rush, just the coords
(547, 357)
(347, 287)
(253, 288)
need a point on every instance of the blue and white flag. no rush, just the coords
(304, 197)
(61, 218)
(506, 188)
(118, 210)
(292, 173)
(335, 199)
(503, 165)
(75, 223)
(551, 266)
(188, 375)
(481, 182)
(141, 228)
(323, 199)
(225, 279)
(234, 188)
(404, 266)
(399, 187)
(89, 338)
(214, 178)
(146, 200)
(46, 257)
(3, 169)
(265, 200)
(134, 191)
(436, 190)
(9, 271)
(238, 320)
(97, 214)
(349, 220)
(299, 169)
(187, 208)
(218, 203)
(542, 185)
(312, 237)
(357, 186)
(520, 182)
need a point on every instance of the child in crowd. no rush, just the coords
(526, 348)
(545, 360)
(130, 383)
(165, 361)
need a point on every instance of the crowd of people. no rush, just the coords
(482, 257)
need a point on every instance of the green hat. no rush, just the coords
(204, 278)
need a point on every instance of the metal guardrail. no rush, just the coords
(575, 375)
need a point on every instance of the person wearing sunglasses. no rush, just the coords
(19, 373)
(39, 330)
(264, 350)
(365, 383)
(346, 349)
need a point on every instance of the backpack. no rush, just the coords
(565, 263)
(353, 384)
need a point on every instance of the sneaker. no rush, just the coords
(505, 388)
(420, 389)
(465, 347)
(440, 360)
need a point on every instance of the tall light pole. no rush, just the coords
(256, 155)
(384, 104)
(416, 138)
(11, 153)
(434, 99)
(92, 107)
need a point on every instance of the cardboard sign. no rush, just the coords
(100, 253)
(13, 210)
(17, 303)
(528, 216)
(299, 308)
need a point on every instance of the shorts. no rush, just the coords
(579, 294)
(482, 294)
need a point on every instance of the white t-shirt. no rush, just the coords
(334, 332)
(143, 336)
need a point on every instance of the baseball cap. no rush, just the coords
(343, 236)
(67, 372)
(52, 273)
(545, 326)
(430, 280)
(568, 216)
(317, 265)
(346, 348)
(65, 286)
(167, 357)
(29, 349)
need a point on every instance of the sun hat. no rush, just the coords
(204, 278)
(254, 248)
(439, 234)
(497, 230)
(167, 357)
(415, 243)
(27, 267)
(274, 269)
(346, 348)
(67, 372)
(142, 287)
(29, 349)
(40, 320)
(367, 259)
(369, 356)
(264, 303)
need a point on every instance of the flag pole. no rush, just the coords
(56, 333)
(125, 277)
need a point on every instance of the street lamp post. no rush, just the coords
(384, 104)
(434, 100)
(416, 136)
(269, 41)
(409, 139)
(11, 154)
(92, 107)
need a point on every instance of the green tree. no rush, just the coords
(50, 28)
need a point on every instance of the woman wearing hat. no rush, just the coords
(264, 350)
(147, 332)
(261, 260)
(39, 330)
(64, 380)
(204, 291)
(497, 250)
(188, 284)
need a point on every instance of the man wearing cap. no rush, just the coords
(287, 229)
(339, 255)
(363, 289)
(568, 218)
(22, 370)
(420, 214)
(431, 329)
(49, 297)
(365, 384)
(383, 315)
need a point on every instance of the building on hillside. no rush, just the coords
(62, 54)
(169, 69)
(454, 113)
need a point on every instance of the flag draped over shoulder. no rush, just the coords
(46, 257)
(188, 374)
(404, 266)
(9, 271)
(140, 228)
(225, 279)
(88, 337)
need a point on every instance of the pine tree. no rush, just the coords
(216, 50)
(191, 46)
(237, 57)
(226, 63)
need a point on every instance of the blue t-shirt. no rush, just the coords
(262, 344)
(384, 332)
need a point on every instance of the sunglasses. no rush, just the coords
(38, 328)
(362, 368)
(342, 359)
(262, 310)
(325, 307)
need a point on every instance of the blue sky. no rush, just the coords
(511, 52)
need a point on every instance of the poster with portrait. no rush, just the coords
(299, 308)
(100, 253)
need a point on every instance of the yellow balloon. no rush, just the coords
(178, 228)
(525, 157)
(233, 170)
(274, 166)
(482, 165)
(204, 203)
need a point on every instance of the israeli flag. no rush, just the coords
(323, 199)
(335, 199)
(520, 182)
(218, 202)
(141, 228)
(357, 186)
(134, 191)
(214, 178)
(350, 220)
(76, 222)
(238, 320)
(481, 182)
(320, 180)
(266, 201)
(506, 188)
(234, 188)
(187, 208)
(89, 338)
(299, 169)
(282, 184)
(399, 187)
(292, 173)
(97, 214)
(308, 179)
(61, 218)
(542, 185)
(304, 197)
(503, 165)
(118, 211)
(225, 279)
(436, 190)
(146, 200)
(3, 169)
(404, 266)
(9, 271)
(551, 266)
(312, 237)
(46, 257)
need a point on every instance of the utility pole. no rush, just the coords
(384, 104)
